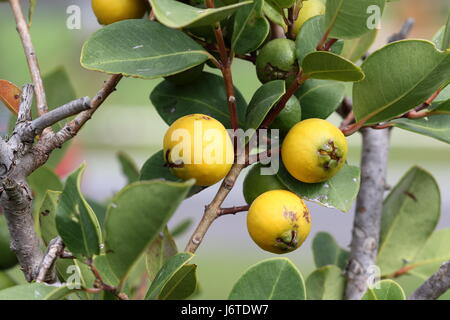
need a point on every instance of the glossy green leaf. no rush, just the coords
(141, 48)
(206, 95)
(271, 279)
(327, 252)
(177, 15)
(436, 126)
(435, 252)
(160, 250)
(6, 281)
(351, 19)
(388, 290)
(262, 102)
(34, 291)
(320, 98)
(169, 270)
(274, 14)
(410, 215)
(76, 222)
(355, 49)
(339, 192)
(135, 217)
(129, 167)
(182, 285)
(330, 66)
(326, 283)
(399, 77)
(251, 28)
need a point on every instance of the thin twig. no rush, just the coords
(212, 211)
(33, 65)
(72, 128)
(435, 286)
(233, 210)
(46, 272)
(102, 285)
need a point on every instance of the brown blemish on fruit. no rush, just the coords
(306, 215)
(169, 164)
(288, 241)
(291, 215)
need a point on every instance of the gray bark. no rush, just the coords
(435, 286)
(369, 206)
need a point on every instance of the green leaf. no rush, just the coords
(445, 42)
(309, 36)
(350, 19)
(330, 66)
(76, 222)
(206, 95)
(339, 192)
(182, 284)
(271, 279)
(47, 216)
(399, 77)
(320, 98)
(31, 8)
(141, 48)
(262, 102)
(178, 15)
(388, 290)
(154, 168)
(129, 167)
(355, 49)
(326, 283)
(274, 14)
(40, 181)
(34, 291)
(435, 252)
(410, 215)
(135, 217)
(159, 251)
(251, 28)
(168, 271)
(435, 126)
(327, 252)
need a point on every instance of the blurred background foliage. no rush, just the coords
(127, 122)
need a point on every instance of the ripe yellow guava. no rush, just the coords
(198, 147)
(110, 11)
(311, 8)
(278, 221)
(314, 150)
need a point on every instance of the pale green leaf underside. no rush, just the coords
(410, 215)
(175, 14)
(388, 290)
(272, 279)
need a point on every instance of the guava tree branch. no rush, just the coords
(30, 54)
(369, 203)
(435, 286)
(72, 128)
(369, 206)
(46, 272)
(212, 211)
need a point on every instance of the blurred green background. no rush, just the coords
(128, 122)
